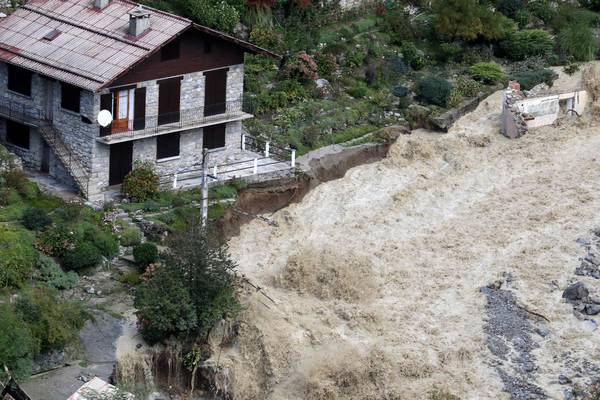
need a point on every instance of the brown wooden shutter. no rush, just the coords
(169, 93)
(106, 104)
(139, 109)
(215, 91)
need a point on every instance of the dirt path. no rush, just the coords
(377, 275)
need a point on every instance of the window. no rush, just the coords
(167, 146)
(17, 134)
(207, 46)
(170, 51)
(19, 80)
(70, 97)
(213, 137)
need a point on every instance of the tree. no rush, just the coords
(189, 293)
(468, 20)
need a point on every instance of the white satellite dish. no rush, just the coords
(104, 118)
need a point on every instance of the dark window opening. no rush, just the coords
(170, 51)
(167, 146)
(169, 93)
(213, 137)
(207, 46)
(17, 134)
(19, 80)
(70, 97)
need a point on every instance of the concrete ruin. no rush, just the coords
(522, 110)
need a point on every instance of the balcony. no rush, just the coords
(20, 112)
(160, 124)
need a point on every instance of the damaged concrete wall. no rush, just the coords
(524, 110)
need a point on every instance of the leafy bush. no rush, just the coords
(17, 257)
(35, 219)
(397, 24)
(413, 56)
(145, 254)
(51, 273)
(69, 212)
(542, 9)
(151, 206)
(469, 20)
(190, 293)
(216, 14)
(487, 72)
(84, 255)
(433, 90)
(107, 243)
(52, 322)
(530, 78)
(131, 278)
(449, 52)
(56, 241)
(16, 343)
(267, 37)
(141, 183)
(359, 90)
(528, 43)
(467, 87)
(131, 236)
(402, 93)
(579, 42)
(9, 196)
(326, 64)
(301, 66)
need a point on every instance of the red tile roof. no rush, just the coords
(93, 47)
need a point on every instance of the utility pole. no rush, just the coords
(204, 202)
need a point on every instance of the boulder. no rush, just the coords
(575, 292)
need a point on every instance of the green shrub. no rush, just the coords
(16, 343)
(488, 73)
(529, 79)
(84, 255)
(468, 87)
(52, 322)
(413, 56)
(35, 219)
(51, 273)
(359, 90)
(131, 278)
(69, 212)
(579, 42)
(145, 254)
(223, 192)
(131, 236)
(56, 241)
(542, 9)
(469, 20)
(267, 37)
(528, 43)
(107, 243)
(449, 52)
(9, 196)
(15, 179)
(302, 67)
(141, 183)
(17, 257)
(397, 24)
(151, 206)
(217, 14)
(433, 90)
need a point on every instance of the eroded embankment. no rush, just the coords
(375, 277)
(317, 167)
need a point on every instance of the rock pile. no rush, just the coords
(584, 305)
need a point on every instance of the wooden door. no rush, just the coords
(121, 159)
(169, 94)
(215, 92)
(121, 115)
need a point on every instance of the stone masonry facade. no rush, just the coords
(79, 131)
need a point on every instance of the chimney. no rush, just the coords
(100, 4)
(139, 21)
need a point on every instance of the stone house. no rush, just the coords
(172, 88)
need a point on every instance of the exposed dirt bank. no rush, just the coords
(376, 276)
(319, 166)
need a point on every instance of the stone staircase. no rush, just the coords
(70, 160)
